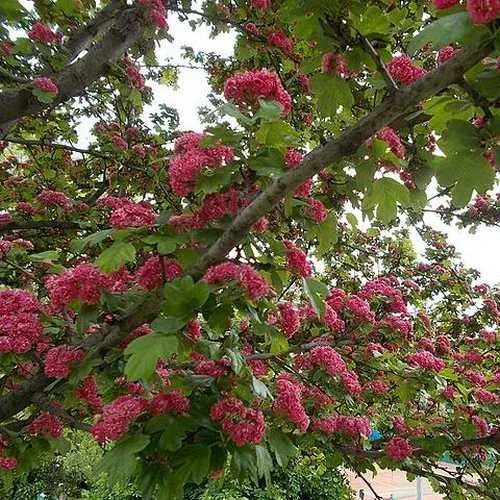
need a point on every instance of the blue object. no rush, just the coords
(375, 435)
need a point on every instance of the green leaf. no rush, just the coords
(145, 352)
(264, 463)
(281, 445)
(316, 292)
(183, 297)
(237, 360)
(331, 92)
(268, 162)
(43, 96)
(11, 10)
(444, 31)
(327, 234)
(260, 389)
(121, 461)
(198, 458)
(175, 431)
(79, 245)
(212, 181)
(277, 134)
(466, 172)
(167, 325)
(372, 20)
(269, 111)
(385, 194)
(115, 256)
(47, 256)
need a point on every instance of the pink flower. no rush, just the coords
(46, 424)
(289, 319)
(54, 198)
(155, 271)
(483, 11)
(45, 84)
(444, 4)
(132, 215)
(360, 308)
(8, 463)
(426, 360)
(328, 358)
(445, 53)
(403, 70)
(193, 328)
(89, 392)
(41, 33)
(316, 210)
(288, 401)
(254, 285)
(449, 392)
(58, 361)
(335, 63)
(260, 4)
(389, 136)
(245, 89)
(251, 28)
(280, 40)
(297, 260)
(242, 425)
(172, 402)
(399, 449)
(293, 157)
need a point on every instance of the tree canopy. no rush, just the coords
(217, 299)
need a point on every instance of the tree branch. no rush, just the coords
(74, 79)
(42, 224)
(47, 144)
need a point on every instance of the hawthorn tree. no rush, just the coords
(206, 300)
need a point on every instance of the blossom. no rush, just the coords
(289, 403)
(172, 402)
(335, 63)
(42, 33)
(132, 215)
(289, 320)
(316, 210)
(155, 271)
(47, 425)
(444, 4)
(221, 273)
(260, 4)
(427, 360)
(117, 417)
(293, 157)
(485, 396)
(360, 308)
(280, 40)
(327, 358)
(19, 331)
(46, 84)
(8, 463)
(483, 11)
(54, 198)
(242, 425)
(89, 392)
(445, 53)
(297, 260)
(193, 328)
(403, 70)
(389, 136)
(351, 426)
(398, 449)
(58, 360)
(245, 89)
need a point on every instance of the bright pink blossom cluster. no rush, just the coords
(288, 401)
(171, 402)
(117, 416)
(360, 308)
(193, 328)
(444, 4)
(316, 210)
(445, 53)
(260, 4)
(293, 157)
(352, 426)
(136, 80)
(483, 11)
(297, 260)
(242, 425)
(89, 392)
(389, 136)
(398, 449)
(58, 360)
(20, 326)
(54, 198)
(157, 12)
(426, 360)
(288, 320)
(280, 40)
(191, 159)
(254, 285)
(46, 425)
(404, 70)
(132, 215)
(45, 84)
(155, 271)
(41, 33)
(384, 288)
(245, 89)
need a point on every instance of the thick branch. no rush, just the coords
(74, 79)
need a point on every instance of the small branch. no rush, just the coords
(47, 405)
(42, 224)
(389, 81)
(477, 98)
(47, 144)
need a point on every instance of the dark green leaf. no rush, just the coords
(115, 256)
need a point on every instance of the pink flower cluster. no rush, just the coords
(136, 80)
(327, 358)
(349, 425)
(157, 12)
(89, 392)
(191, 159)
(8, 463)
(360, 309)
(280, 40)
(316, 210)
(132, 215)
(42, 33)
(193, 328)
(404, 71)
(253, 284)
(54, 198)
(289, 319)
(444, 4)
(335, 63)
(288, 401)
(293, 157)
(398, 449)
(171, 402)
(384, 288)
(45, 84)
(58, 360)
(245, 89)
(117, 417)
(260, 4)
(242, 425)
(445, 53)
(150, 275)
(389, 136)
(297, 260)
(426, 360)
(483, 11)
(20, 326)
(46, 425)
